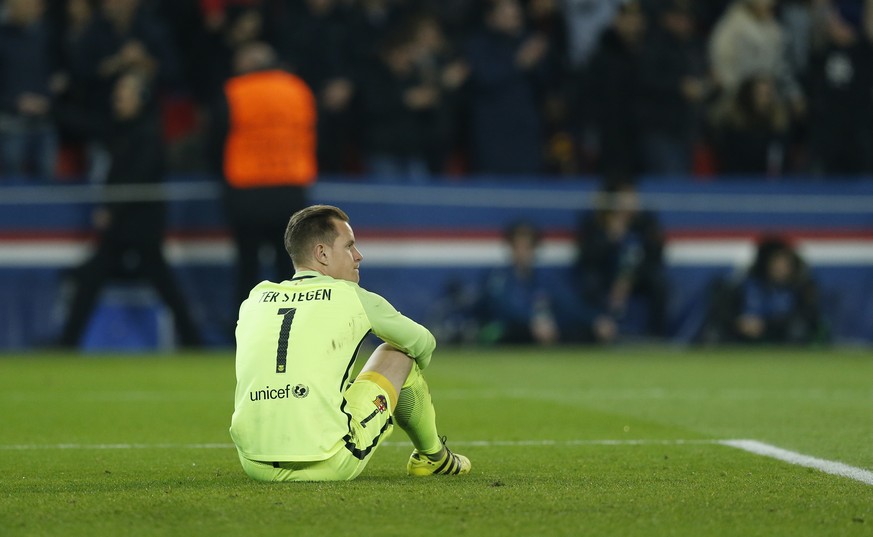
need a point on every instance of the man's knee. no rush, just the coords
(391, 363)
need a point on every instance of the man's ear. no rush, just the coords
(320, 254)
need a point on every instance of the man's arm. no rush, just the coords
(399, 331)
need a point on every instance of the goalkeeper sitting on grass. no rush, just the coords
(297, 415)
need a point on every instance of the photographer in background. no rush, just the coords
(778, 298)
(621, 255)
(523, 304)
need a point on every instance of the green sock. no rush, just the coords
(415, 414)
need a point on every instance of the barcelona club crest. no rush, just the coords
(381, 403)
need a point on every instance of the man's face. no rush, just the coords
(780, 268)
(507, 17)
(523, 247)
(343, 257)
(119, 8)
(25, 11)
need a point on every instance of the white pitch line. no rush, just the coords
(799, 459)
(71, 446)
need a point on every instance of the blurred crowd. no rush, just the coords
(414, 88)
(617, 288)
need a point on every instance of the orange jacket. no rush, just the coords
(271, 134)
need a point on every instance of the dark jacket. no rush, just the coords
(745, 151)
(388, 125)
(25, 64)
(841, 107)
(315, 47)
(506, 129)
(137, 152)
(666, 60)
(101, 41)
(601, 260)
(613, 92)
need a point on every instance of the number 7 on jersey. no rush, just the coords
(284, 332)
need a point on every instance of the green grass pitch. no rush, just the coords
(576, 441)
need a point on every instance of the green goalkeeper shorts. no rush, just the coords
(368, 402)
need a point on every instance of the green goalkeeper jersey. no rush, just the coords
(296, 344)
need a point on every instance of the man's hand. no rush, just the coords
(531, 52)
(420, 97)
(604, 328)
(751, 326)
(693, 89)
(336, 94)
(454, 74)
(544, 330)
(617, 225)
(31, 104)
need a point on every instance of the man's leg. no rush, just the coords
(155, 269)
(89, 281)
(391, 364)
(414, 413)
(412, 408)
(247, 246)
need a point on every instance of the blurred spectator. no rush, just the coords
(263, 146)
(508, 96)
(457, 17)
(131, 233)
(441, 67)
(397, 109)
(225, 31)
(521, 303)
(748, 41)
(371, 23)
(613, 91)
(673, 84)
(507, 71)
(621, 255)
(798, 21)
(750, 130)
(708, 13)
(858, 13)
(586, 20)
(545, 18)
(123, 36)
(841, 92)
(28, 139)
(776, 301)
(217, 14)
(186, 32)
(313, 38)
(74, 122)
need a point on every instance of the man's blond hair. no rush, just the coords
(310, 226)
